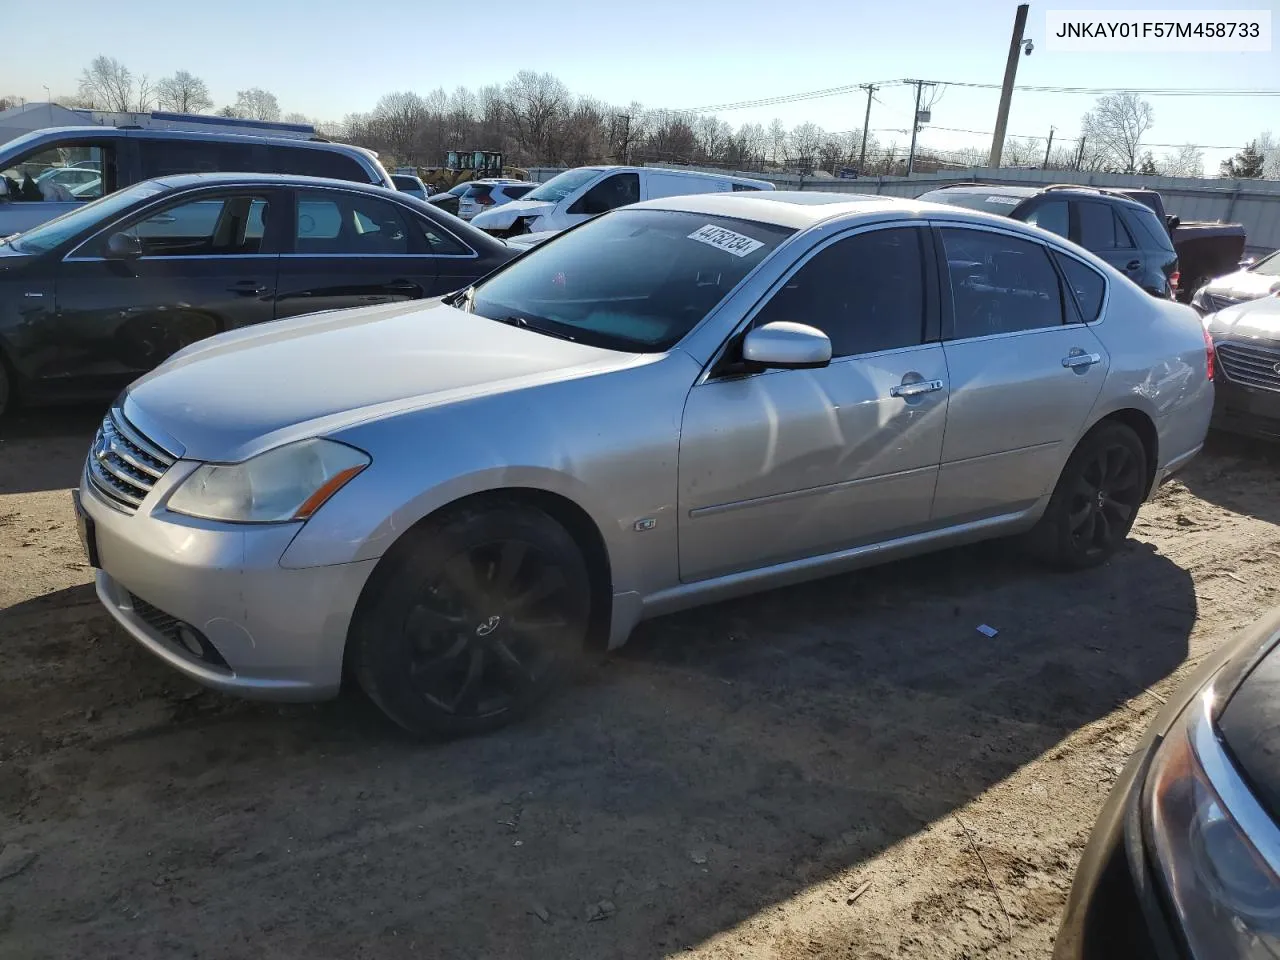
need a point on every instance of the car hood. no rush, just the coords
(234, 395)
(1243, 285)
(1259, 319)
(505, 215)
(524, 240)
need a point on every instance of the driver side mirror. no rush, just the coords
(788, 346)
(123, 246)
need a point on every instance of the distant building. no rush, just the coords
(41, 116)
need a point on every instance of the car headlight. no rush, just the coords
(288, 483)
(1213, 843)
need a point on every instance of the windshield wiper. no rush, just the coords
(523, 322)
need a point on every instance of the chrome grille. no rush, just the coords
(1250, 365)
(123, 464)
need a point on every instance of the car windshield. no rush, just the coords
(992, 201)
(1268, 266)
(634, 280)
(563, 184)
(55, 232)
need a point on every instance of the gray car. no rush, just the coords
(681, 401)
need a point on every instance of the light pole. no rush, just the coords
(48, 100)
(1006, 91)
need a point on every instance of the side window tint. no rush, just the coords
(63, 174)
(161, 158)
(1124, 240)
(314, 162)
(1051, 216)
(441, 243)
(999, 284)
(1098, 226)
(1087, 286)
(222, 225)
(864, 292)
(609, 194)
(349, 223)
(1148, 230)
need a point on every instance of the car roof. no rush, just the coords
(1070, 189)
(800, 210)
(222, 136)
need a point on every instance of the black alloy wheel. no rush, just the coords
(1096, 500)
(473, 620)
(1104, 498)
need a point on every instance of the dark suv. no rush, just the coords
(1125, 233)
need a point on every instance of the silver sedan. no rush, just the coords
(677, 402)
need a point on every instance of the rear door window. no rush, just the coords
(1100, 227)
(334, 222)
(999, 284)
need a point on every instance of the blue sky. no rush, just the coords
(326, 58)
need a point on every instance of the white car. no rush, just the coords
(584, 192)
(490, 193)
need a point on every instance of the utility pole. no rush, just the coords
(1006, 91)
(866, 123)
(915, 123)
(1080, 154)
(1045, 165)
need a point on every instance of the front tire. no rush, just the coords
(473, 620)
(1096, 501)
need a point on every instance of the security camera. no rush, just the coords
(1028, 46)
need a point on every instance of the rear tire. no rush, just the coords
(473, 620)
(1095, 501)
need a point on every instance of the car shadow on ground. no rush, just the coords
(1238, 473)
(44, 449)
(724, 761)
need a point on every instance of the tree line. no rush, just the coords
(536, 120)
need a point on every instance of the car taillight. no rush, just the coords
(484, 200)
(1173, 279)
(1209, 352)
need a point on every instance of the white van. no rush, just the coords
(584, 192)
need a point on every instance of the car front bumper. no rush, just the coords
(1250, 411)
(213, 601)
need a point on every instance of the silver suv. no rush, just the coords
(485, 194)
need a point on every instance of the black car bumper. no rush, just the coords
(1251, 411)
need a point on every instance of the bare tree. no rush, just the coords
(256, 104)
(1116, 126)
(108, 84)
(399, 118)
(778, 142)
(1022, 152)
(534, 102)
(1186, 161)
(297, 117)
(183, 93)
(1270, 149)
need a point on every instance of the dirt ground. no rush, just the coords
(842, 769)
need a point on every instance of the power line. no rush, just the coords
(1028, 88)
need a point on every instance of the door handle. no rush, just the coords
(915, 389)
(1081, 360)
(1133, 265)
(247, 288)
(404, 286)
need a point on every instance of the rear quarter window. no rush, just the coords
(1150, 233)
(316, 162)
(1087, 286)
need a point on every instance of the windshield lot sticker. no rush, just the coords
(726, 240)
(1010, 201)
